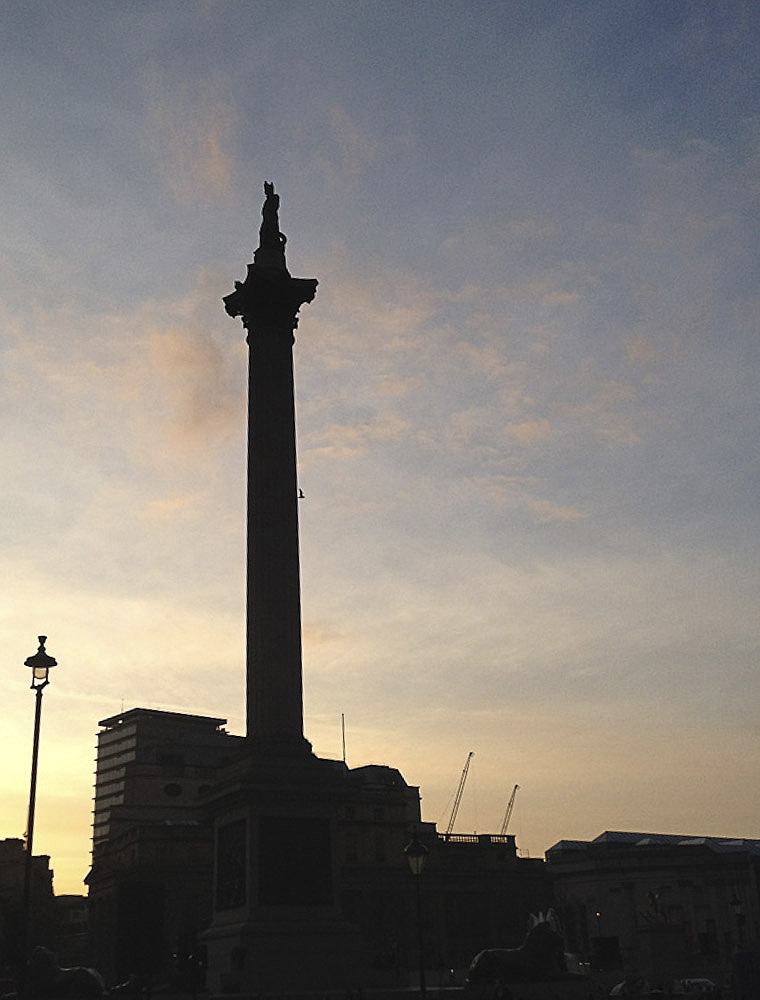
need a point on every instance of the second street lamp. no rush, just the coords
(40, 664)
(416, 854)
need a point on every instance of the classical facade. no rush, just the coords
(669, 906)
(475, 893)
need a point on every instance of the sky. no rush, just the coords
(526, 393)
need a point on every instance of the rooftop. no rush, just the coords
(719, 845)
(136, 714)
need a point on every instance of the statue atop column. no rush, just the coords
(269, 292)
(271, 251)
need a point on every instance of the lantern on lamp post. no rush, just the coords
(40, 665)
(416, 855)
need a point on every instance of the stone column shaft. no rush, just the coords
(274, 675)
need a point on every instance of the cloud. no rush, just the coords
(688, 242)
(172, 509)
(465, 427)
(191, 129)
(518, 492)
(314, 636)
(355, 148)
(159, 377)
(609, 408)
(364, 317)
(560, 297)
(545, 511)
(530, 432)
(198, 380)
(638, 349)
(394, 386)
(353, 440)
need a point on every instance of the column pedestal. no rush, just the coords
(277, 925)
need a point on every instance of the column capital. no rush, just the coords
(269, 297)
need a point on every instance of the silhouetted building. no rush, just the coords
(72, 944)
(41, 917)
(476, 893)
(152, 855)
(670, 906)
(151, 883)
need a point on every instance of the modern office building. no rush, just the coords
(152, 851)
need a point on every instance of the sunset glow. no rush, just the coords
(526, 393)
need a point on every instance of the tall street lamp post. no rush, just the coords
(40, 664)
(416, 854)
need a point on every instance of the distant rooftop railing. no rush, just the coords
(477, 838)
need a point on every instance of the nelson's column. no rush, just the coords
(277, 922)
(268, 302)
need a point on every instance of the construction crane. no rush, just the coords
(508, 813)
(458, 796)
